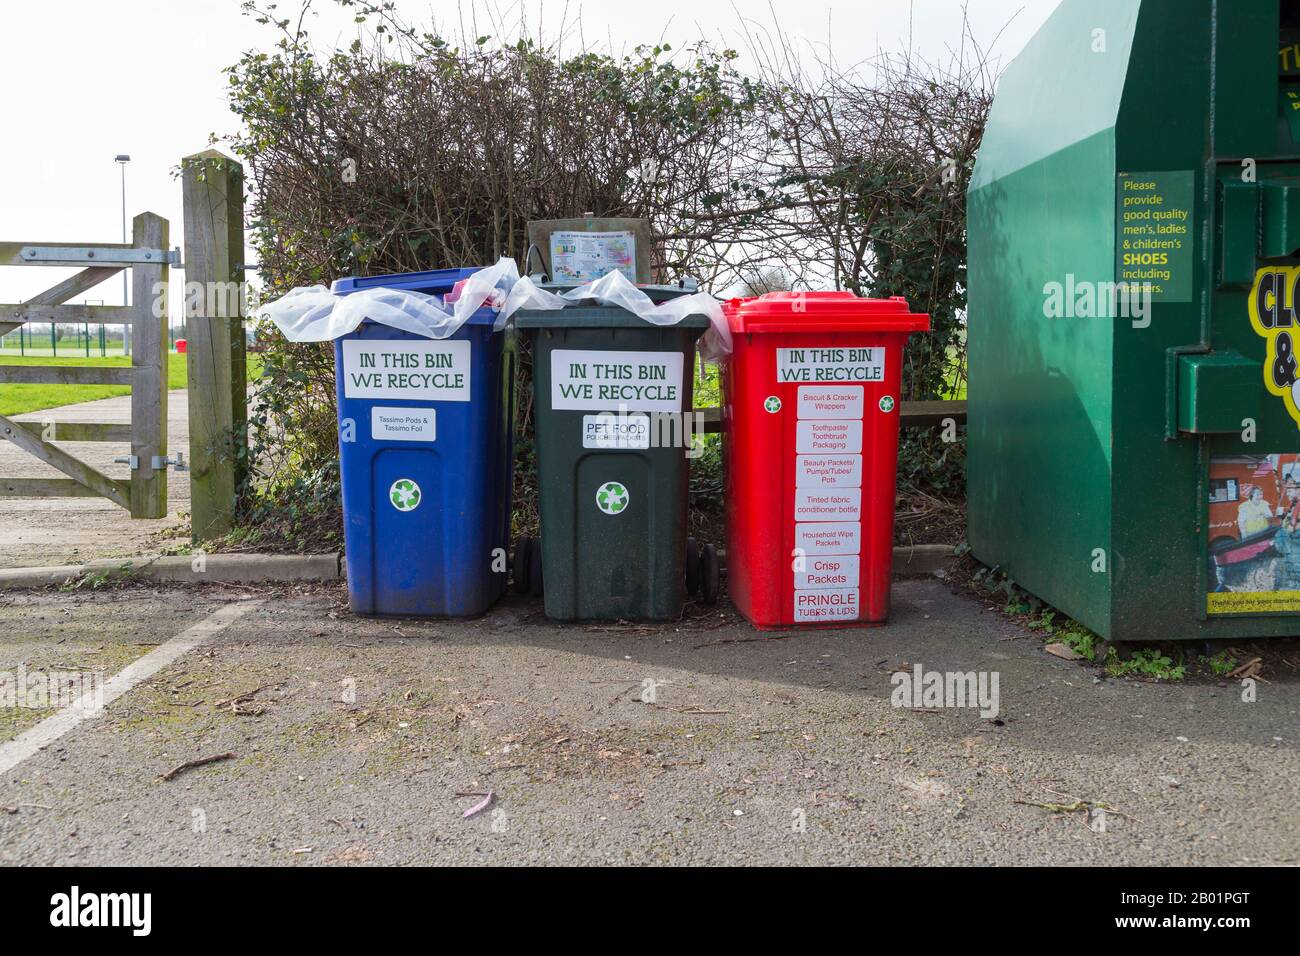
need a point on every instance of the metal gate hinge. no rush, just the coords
(156, 462)
(98, 255)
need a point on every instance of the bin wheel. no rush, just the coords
(520, 564)
(535, 568)
(709, 574)
(692, 566)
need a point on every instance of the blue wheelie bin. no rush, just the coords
(426, 444)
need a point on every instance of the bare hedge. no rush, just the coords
(769, 168)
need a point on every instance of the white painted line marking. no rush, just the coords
(35, 739)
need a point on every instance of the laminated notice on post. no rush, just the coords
(586, 256)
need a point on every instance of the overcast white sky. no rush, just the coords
(144, 77)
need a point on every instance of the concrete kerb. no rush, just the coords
(186, 569)
(921, 559)
(909, 560)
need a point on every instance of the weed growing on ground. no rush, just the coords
(1147, 662)
(1220, 665)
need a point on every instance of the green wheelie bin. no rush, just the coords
(613, 414)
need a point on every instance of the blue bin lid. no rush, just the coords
(433, 282)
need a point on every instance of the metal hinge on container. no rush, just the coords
(99, 255)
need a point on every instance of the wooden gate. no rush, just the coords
(144, 494)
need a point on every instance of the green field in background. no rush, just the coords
(65, 351)
(16, 399)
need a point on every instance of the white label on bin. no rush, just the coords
(416, 370)
(830, 504)
(402, 424)
(828, 471)
(827, 438)
(632, 381)
(836, 571)
(828, 537)
(830, 401)
(840, 604)
(615, 431)
(828, 478)
(860, 364)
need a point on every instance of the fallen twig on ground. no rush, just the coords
(621, 627)
(238, 704)
(744, 640)
(682, 710)
(1087, 806)
(1251, 668)
(480, 806)
(200, 762)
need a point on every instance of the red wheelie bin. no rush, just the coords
(810, 426)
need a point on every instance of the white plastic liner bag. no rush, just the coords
(315, 314)
(614, 289)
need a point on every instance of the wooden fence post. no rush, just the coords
(213, 193)
(149, 370)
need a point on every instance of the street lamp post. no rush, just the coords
(122, 159)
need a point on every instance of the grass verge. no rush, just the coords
(18, 399)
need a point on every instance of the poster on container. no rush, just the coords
(1254, 535)
(580, 257)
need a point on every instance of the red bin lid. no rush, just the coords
(822, 312)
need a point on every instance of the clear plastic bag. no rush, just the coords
(614, 289)
(315, 314)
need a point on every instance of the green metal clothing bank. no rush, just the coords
(1134, 235)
